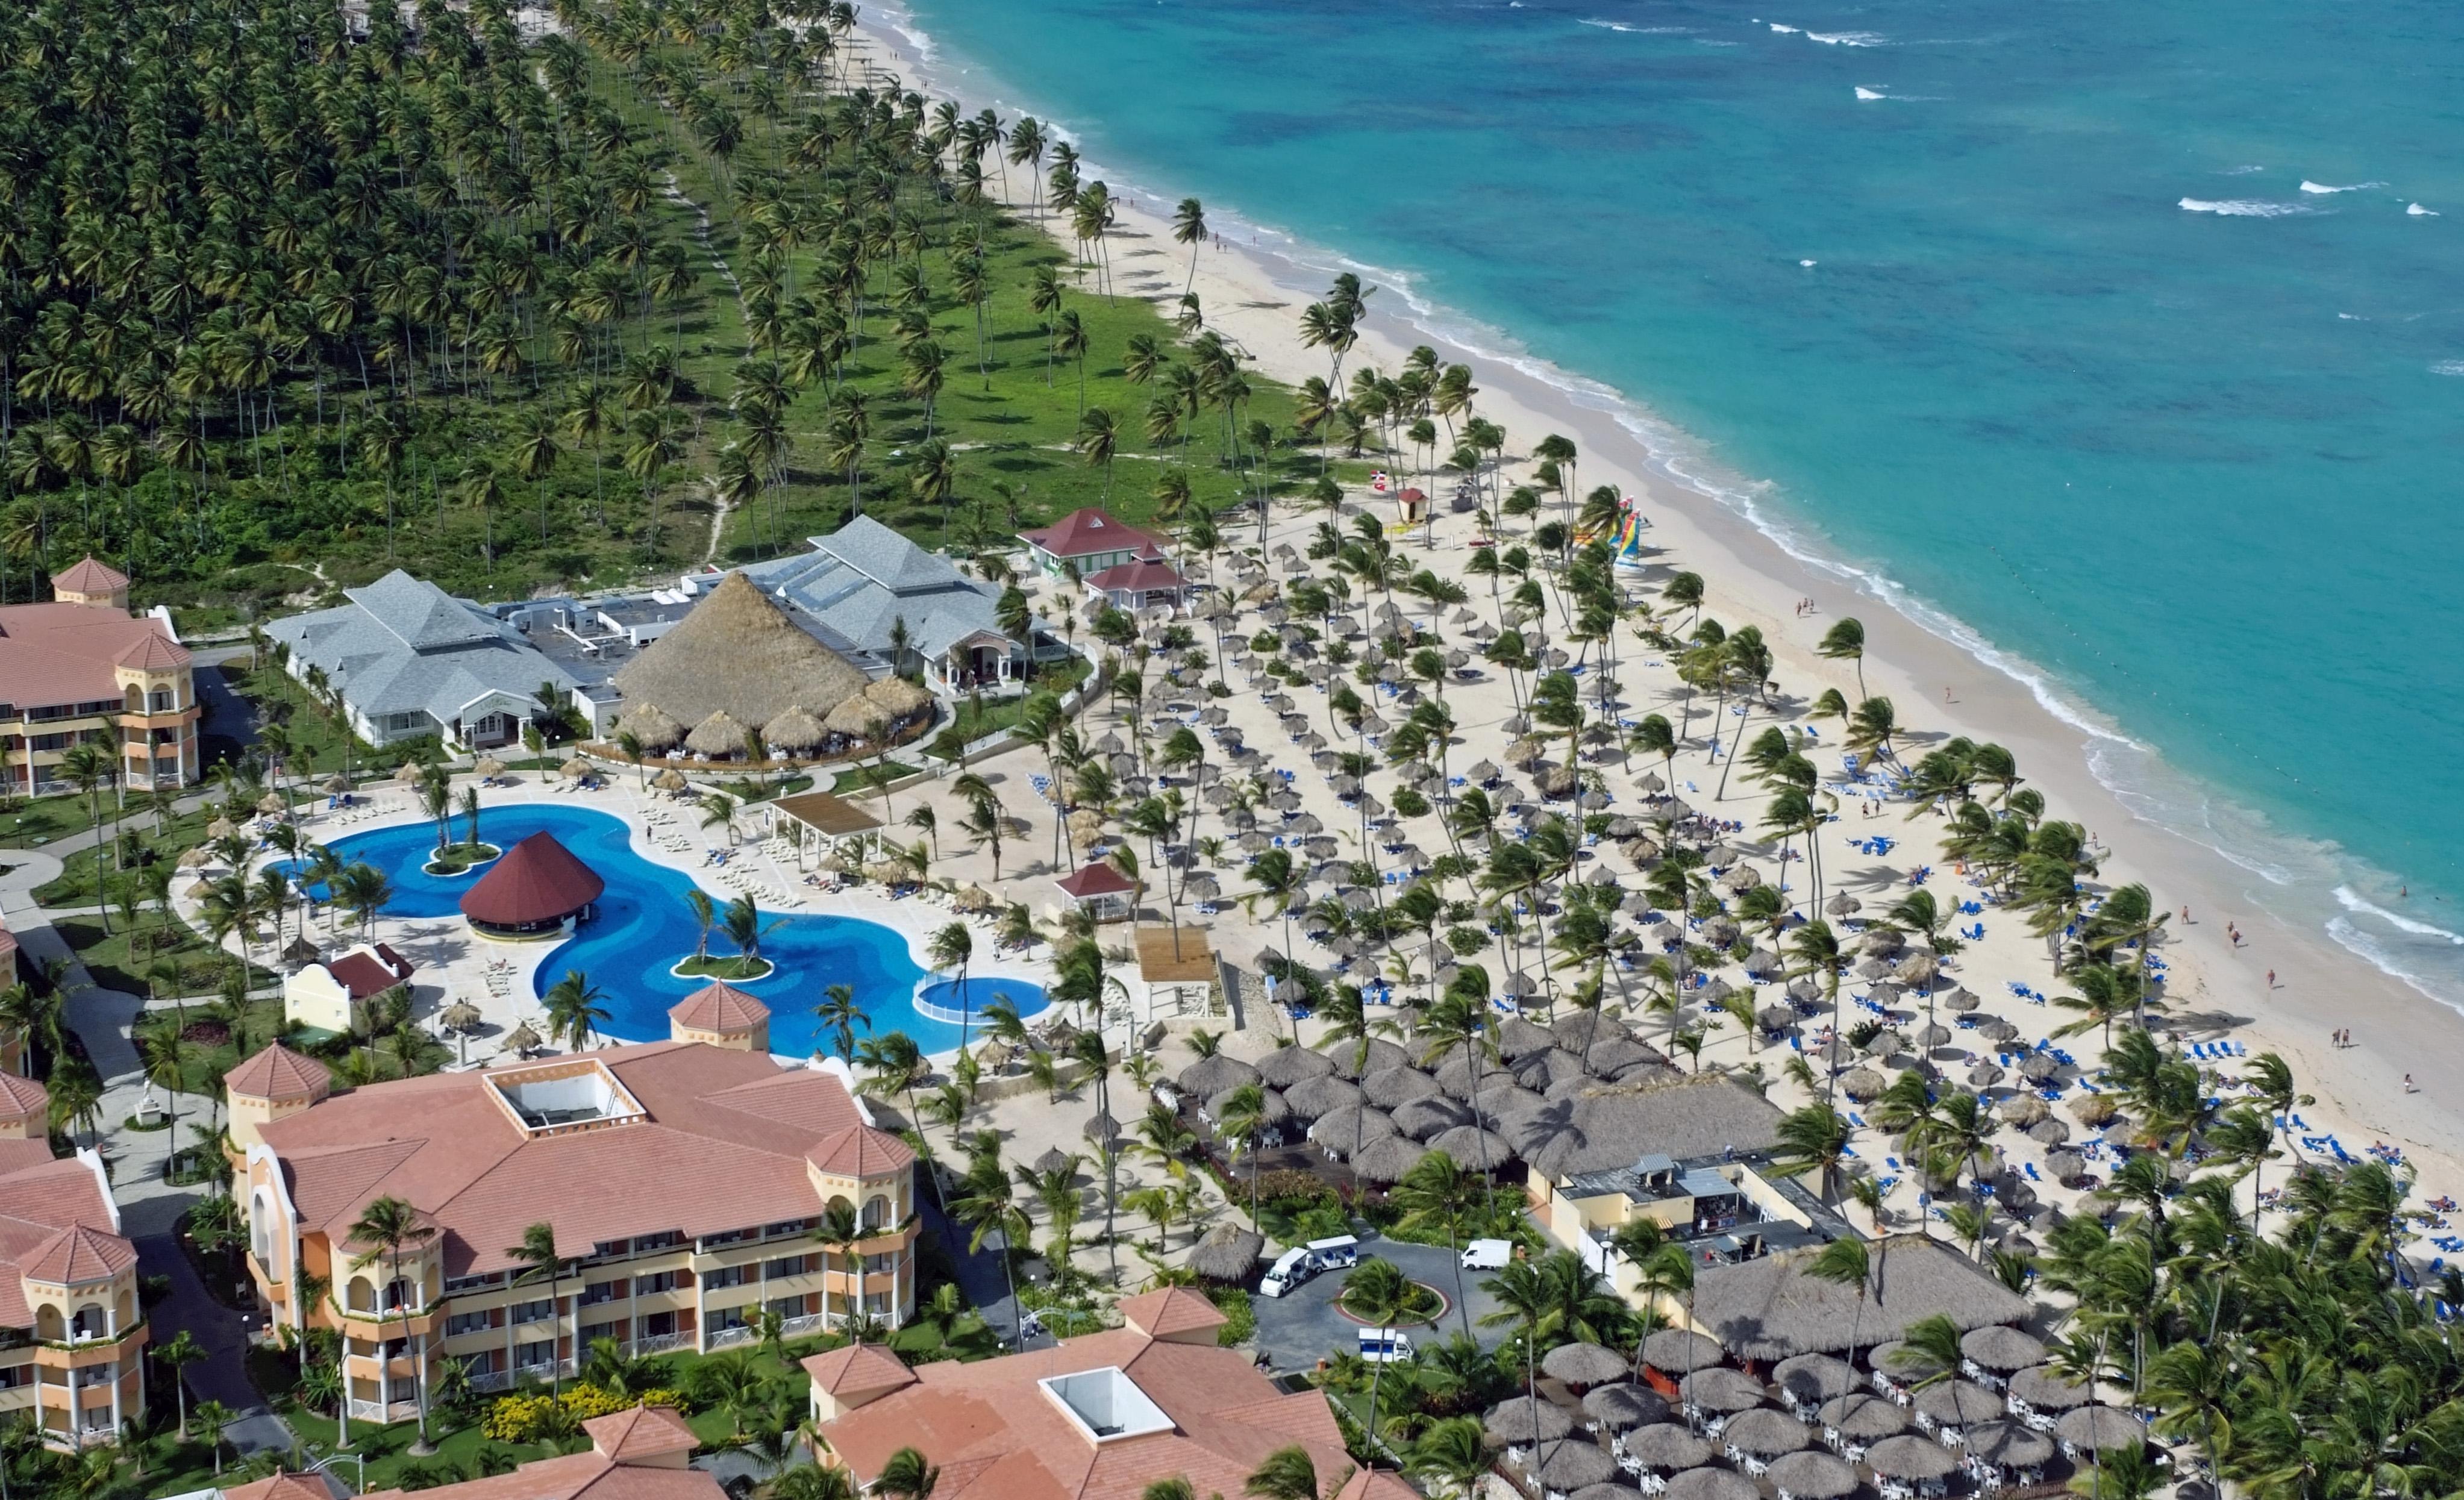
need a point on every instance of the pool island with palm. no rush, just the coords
(640, 940)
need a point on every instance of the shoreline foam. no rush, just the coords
(1915, 650)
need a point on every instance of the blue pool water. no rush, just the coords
(2130, 337)
(641, 929)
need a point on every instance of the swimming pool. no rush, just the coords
(640, 928)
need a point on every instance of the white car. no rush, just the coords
(1487, 1254)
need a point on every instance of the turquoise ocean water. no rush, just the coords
(2132, 338)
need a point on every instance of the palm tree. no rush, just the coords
(840, 1014)
(1814, 1140)
(215, 1417)
(990, 1208)
(705, 914)
(1437, 1193)
(1189, 228)
(953, 946)
(543, 1262)
(179, 1353)
(1378, 1294)
(388, 1226)
(906, 1475)
(1289, 1473)
(1098, 439)
(1845, 641)
(1451, 1449)
(574, 1009)
(1845, 1262)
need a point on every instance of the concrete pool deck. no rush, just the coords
(502, 979)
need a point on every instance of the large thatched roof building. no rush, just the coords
(739, 665)
(1770, 1309)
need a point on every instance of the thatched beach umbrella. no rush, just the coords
(1474, 1149)
(1811, 1476)
(2045, 1389)
(2024, 1110)
(522, 1040)
(1209, 1076)
(1680, 1350)
(1957, 1403)
(1521, 1422)
(1583, 1363)
(1666, 1446)
(1606, 1490)
(2101, 1429)
(1227, 1254)
(1624, 1406)
(654, 726)
(1764, 1433)
(197, 858)
(797, 728)
(1862, 1084)
(2066, 1166)
(1984, 1076)
(2010, 1444)
(1424, 1118)
(1909, 1456)
(489, 766)
(338, 783)
(1274, 1111)
(671, 780)
(2038, 1067)
(1711, 1484)
(408, 773)
(1341, 1129)
(199, 890)
(576, 768)
(1287, 1066)
(1815, 1378)
(1722, 1389)
(1391, 1087)
(1863, 1417)
(2049, 1132)
(2094, 1111)
(1572, 1464)
(221, 829)
(1388, 1158)
(1312, 1097)
(460, 1016)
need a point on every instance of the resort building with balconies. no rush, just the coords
(71, 1330)
(686, 1184)
(82, 666)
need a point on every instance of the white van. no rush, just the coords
(1292, 1268)
(1487, 1254)
(1342, 1252)
(1385, 1345)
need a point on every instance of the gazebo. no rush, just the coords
(1101, 891)
(823, 822)
(538, 890)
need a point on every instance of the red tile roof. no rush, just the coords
(572, 1477)
(644, 1432)
(22, 1096)
(1173, 1309)
(720, 1146)
(54, 653)
(1088, 531)
(1096, 879)
(855, 1369)
(1146, 575)
(997, 1436)
(41, 1195)
(719, 1006)
(90, 577)
(153, 653)
(538, 880)
(280, 1074)
(78, 1255)
(370, 974)
(280, 1487)
(861, 1151)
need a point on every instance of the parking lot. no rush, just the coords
(1302, 1327)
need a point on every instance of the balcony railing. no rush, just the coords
(660, 1343)
(730, 1337)
(798, 1327)
(380, 1411)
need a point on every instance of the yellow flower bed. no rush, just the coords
(526, 1418)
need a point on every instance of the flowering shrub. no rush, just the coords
(527, 1418)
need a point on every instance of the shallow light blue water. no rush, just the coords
(2078, 360)
(641, 929)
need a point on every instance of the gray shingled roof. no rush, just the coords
(862, 579)
(403, 645)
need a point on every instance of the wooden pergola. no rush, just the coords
(823, 822)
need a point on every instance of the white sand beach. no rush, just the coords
(2217, 989)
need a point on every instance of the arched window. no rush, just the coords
(260, 1237)
(91, 1321)
(363, 1296)
(876, 1211)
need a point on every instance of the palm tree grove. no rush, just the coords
(293, 293)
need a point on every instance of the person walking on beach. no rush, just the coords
(2271, 978)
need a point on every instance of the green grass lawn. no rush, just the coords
(734, 969)
(868, 776)
(195, 965)
(975, 719)
(455, 858)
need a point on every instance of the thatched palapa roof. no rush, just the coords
(1770, 1309)
(740, 653)
(1227, 1254)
